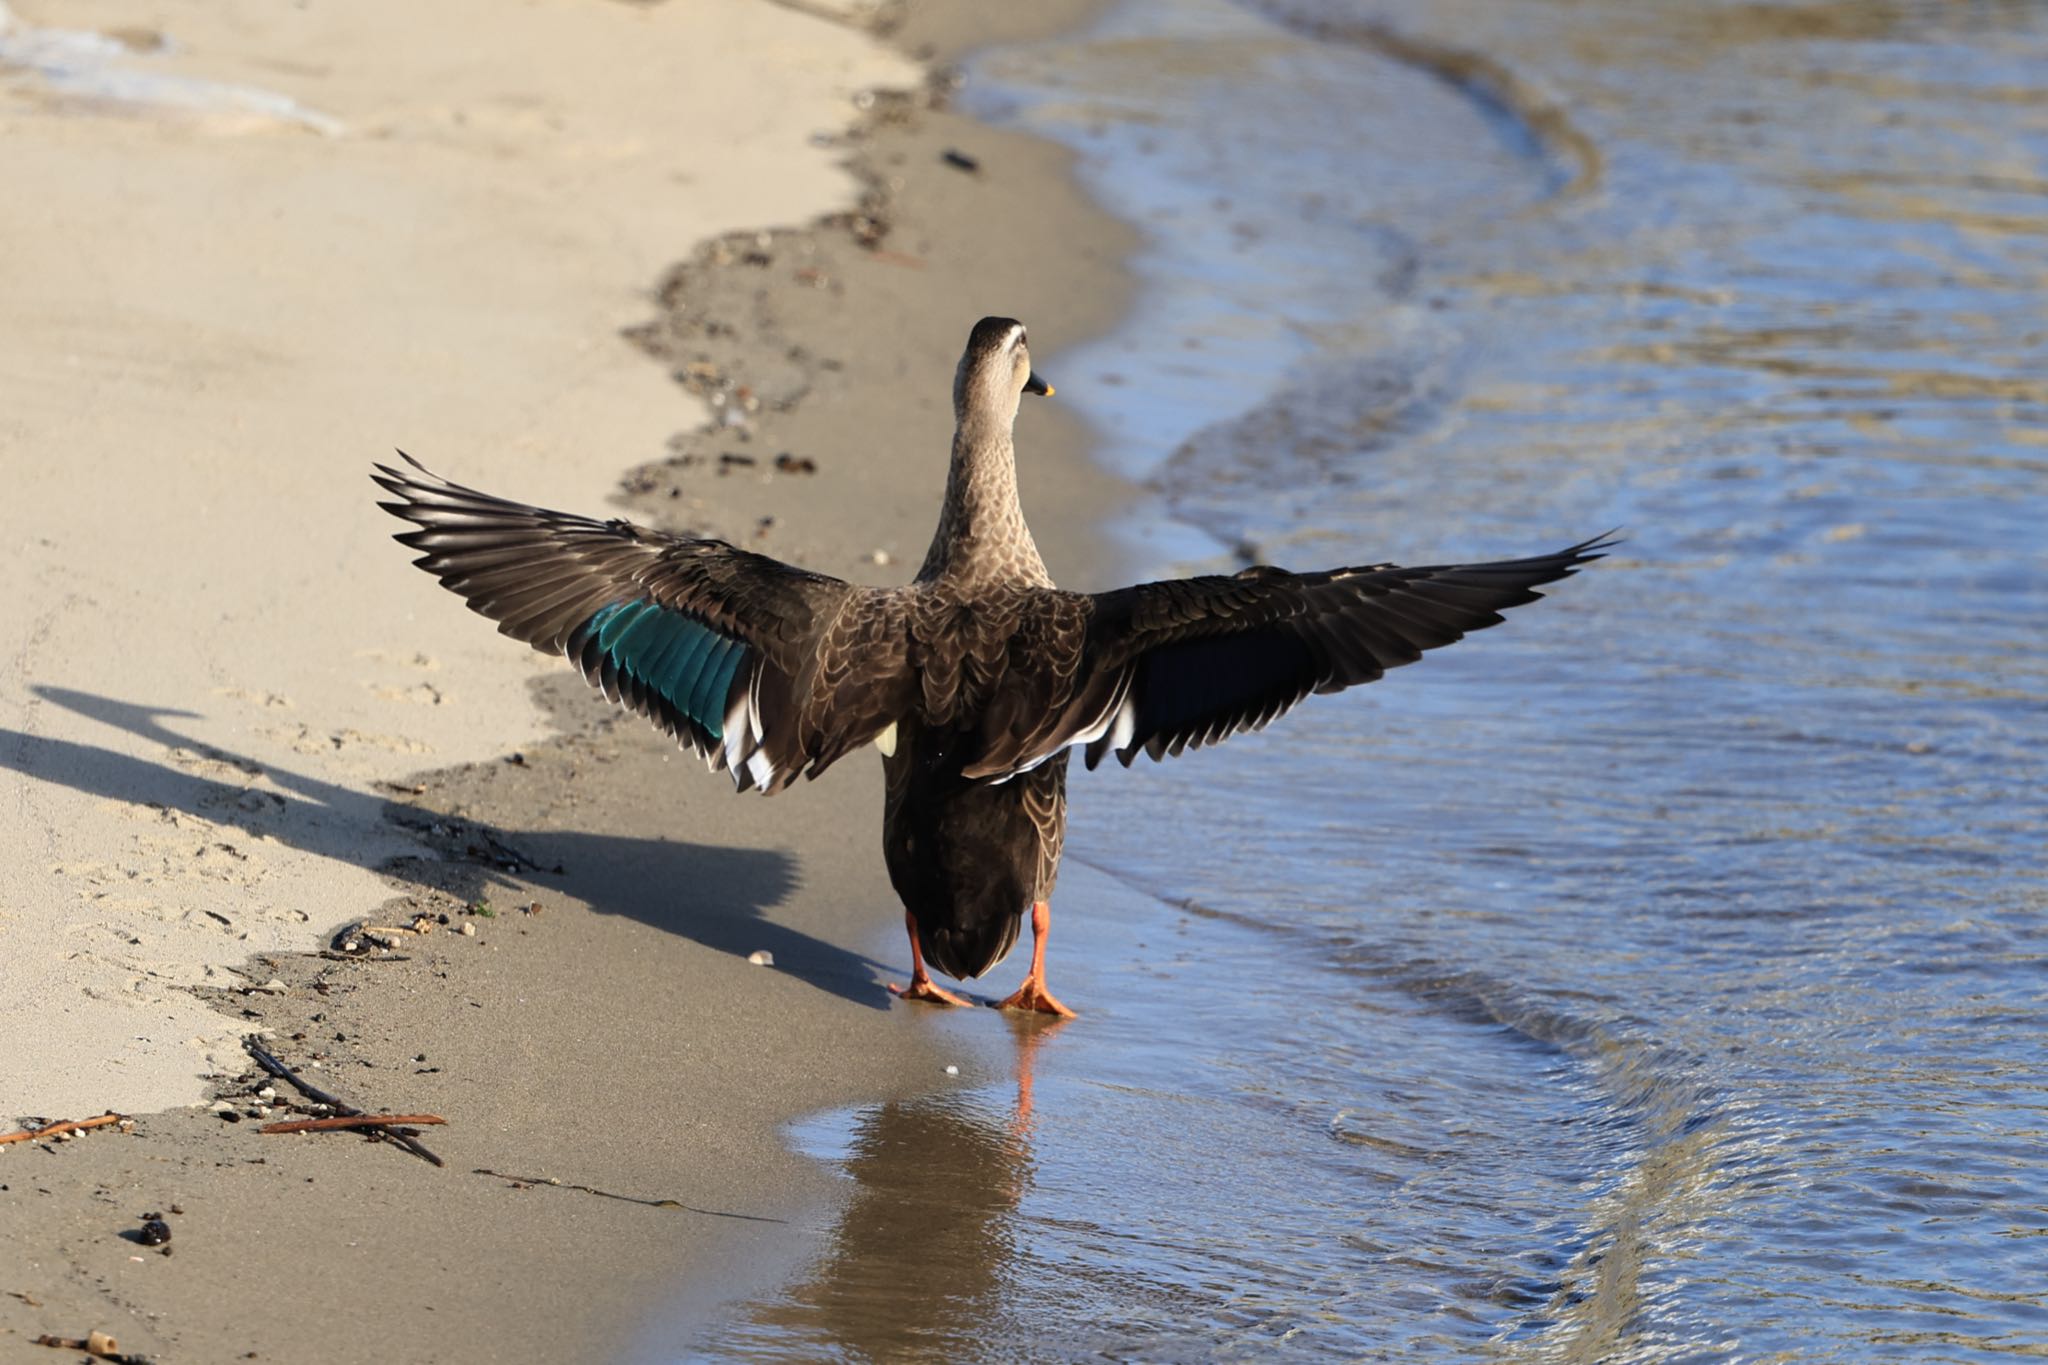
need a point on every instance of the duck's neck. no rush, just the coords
(982, 537)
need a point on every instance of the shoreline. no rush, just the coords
(617, 1038)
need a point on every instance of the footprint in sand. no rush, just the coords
(300, 739)
(397, 744)
(215, 765)
(304, 739)
(420, 694)
(269, 701)
(407, 687)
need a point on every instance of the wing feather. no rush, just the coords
(761, 668)
(1182, 663)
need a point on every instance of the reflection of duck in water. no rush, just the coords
(976, 680)
(927, 1247)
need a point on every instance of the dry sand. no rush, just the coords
(226, 682)
(215, 316)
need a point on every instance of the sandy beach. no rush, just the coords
(1657, 973)
(263, 248)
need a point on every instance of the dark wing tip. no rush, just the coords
(398, 481)
(1535, 570)
(1596, 547)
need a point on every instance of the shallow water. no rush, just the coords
(1661, 976)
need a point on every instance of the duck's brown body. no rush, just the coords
(976, 679)
(967, 857)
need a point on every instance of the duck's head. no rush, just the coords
(995, 371)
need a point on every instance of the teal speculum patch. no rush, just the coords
(686, 662)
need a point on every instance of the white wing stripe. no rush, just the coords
(1126, 726)
(735, 733)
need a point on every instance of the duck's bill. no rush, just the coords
(1038, 386)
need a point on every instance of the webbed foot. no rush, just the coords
(1033, 995)
(925, 988)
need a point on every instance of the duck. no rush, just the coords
(977, 681)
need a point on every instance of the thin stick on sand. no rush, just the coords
(341, 1107)
(68, 1126)
(348, 1121)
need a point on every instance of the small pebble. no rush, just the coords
(267, 1093)
(952, 1071)
(155, 1232)
(761, 957)
(468, 930)
(219, 1107)
(882, 557)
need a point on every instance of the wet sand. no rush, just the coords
(227, 679)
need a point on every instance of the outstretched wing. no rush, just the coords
(1178, 664)
(759, 668)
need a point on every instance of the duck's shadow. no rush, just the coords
(715, 896)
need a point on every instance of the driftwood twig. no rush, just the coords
(550, 1182)
(69, 1126)
(348, 1121)
(884, 254)
(334, 1102)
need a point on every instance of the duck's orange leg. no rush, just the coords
(1033, 995)
(921, 986)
